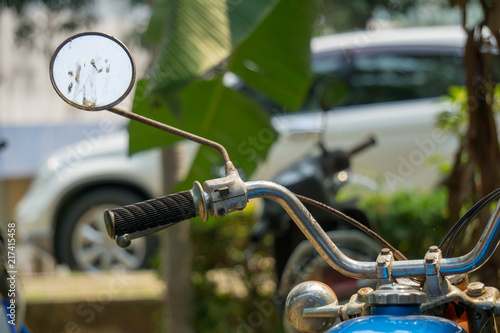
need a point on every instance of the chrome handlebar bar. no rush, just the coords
(221, 196)
(473, 260)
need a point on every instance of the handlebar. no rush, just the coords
(338, 160)
(224, 195)
(153, 214)
(373, 270)
(370, 141)
(147, 217)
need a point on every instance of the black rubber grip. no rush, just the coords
(164, 211)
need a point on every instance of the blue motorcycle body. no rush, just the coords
(399, 324)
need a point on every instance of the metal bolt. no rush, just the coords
(429, 260)
(385, 251)
(433, 248)
(123, 241)
(221, 212)
(381, 262)
(476, 289)
(362, 293)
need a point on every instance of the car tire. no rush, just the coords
(81, 240)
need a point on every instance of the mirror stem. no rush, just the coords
(172, 130)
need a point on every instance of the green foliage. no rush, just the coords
(456, 118)
(40, 20)
(232, 294)
(30, 29)
(195, 36)
(275, 59)
(496, 98)
(409, 221)
(339, 15)
(52, 5)
(266, 44)
(220, 122)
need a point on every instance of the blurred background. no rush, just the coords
(390, 69)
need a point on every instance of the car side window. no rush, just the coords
(376, 77)
(395, 77)
(328, 69)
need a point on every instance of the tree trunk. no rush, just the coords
(176, 261)
(476, 169)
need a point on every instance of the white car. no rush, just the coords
(395, 80)
(392, 81)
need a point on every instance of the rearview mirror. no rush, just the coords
(92, 71)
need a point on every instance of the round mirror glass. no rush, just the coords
(92, 71)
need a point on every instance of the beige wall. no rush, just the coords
(26, 95)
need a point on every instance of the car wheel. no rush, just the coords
(81, 240)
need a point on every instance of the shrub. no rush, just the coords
(233, 292)
(409, 221)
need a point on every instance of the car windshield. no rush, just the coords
(375, 77)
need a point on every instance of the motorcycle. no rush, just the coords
(430, 294)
